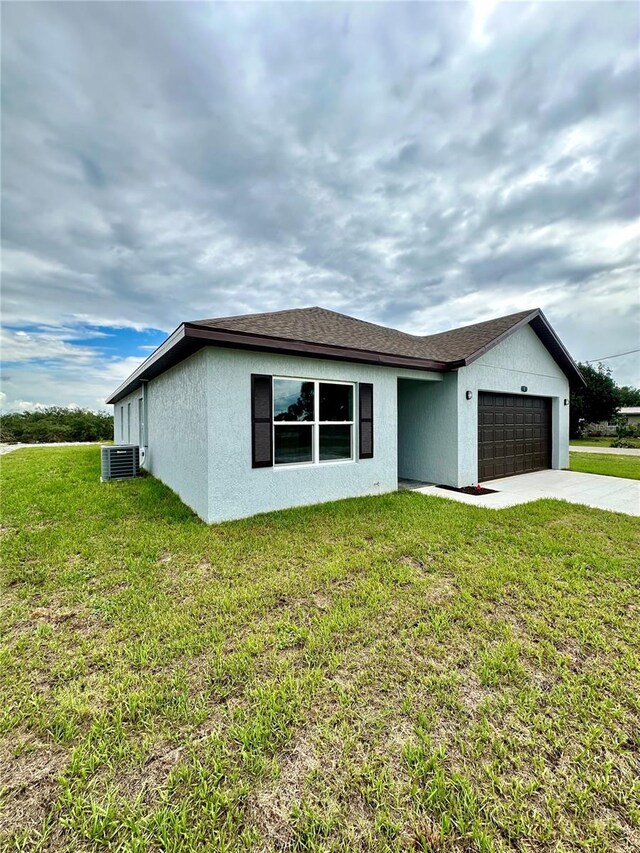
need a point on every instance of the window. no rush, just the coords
(128, 423)
(312, 421)
(141, 440)
(121, 423)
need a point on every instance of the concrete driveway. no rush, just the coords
(613, 493)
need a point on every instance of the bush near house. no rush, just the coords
(55, 423)
(393, 673)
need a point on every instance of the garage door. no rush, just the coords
(514, 434)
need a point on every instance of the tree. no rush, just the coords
(628, 396)
(596, 402)
(56, 424)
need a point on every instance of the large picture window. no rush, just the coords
(312, 421)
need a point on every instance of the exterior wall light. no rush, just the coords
(566, 402)
(469, 395)
(523, 388)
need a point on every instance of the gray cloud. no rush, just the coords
(170, 160)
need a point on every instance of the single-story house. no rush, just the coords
(247, 414)
(632, 414)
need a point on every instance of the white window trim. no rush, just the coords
(315, 424)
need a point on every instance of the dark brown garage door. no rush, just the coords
(514, 434)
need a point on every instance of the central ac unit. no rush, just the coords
(119, 461)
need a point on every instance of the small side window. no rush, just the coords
(141, 440)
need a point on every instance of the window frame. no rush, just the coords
(315, 424)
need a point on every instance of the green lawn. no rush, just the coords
(606, 463)
(384, 674)
(602, 441)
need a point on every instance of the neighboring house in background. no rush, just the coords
(632, 414)
(242, 415)
(629, 414)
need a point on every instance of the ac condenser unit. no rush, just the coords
(119, 461)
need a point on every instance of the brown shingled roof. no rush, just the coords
(329, 328)
(320, 326)
(318, 332)
(461, 343)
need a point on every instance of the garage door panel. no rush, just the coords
(514, 434)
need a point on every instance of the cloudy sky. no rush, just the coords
(420, 165)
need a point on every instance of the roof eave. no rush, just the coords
(291, 346)
(190, 337)
(573, 372)
(135, 379)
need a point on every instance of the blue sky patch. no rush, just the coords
(109, 341)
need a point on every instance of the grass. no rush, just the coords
(383, 674)
(606, 463)
(602, 441)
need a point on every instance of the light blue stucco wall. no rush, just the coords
(428, 430)
(199, 426)
(199, 434)
(237, 490)
(438, 426)
(178, 407)
(521, 359)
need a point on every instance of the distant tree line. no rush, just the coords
(600, 399)
(55, 423)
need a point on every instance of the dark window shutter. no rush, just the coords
(261, 421)
(365, 413)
